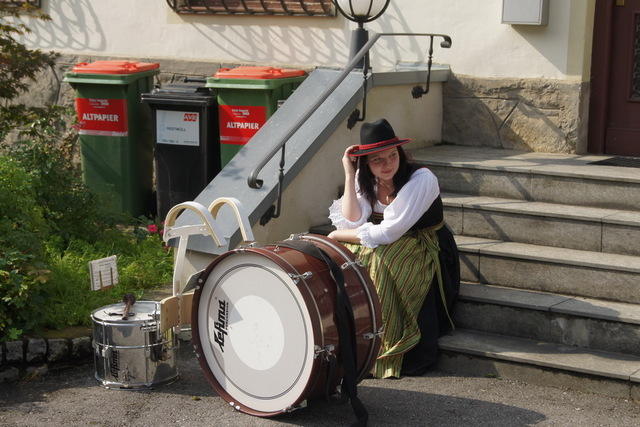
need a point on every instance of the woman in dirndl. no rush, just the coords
(391, 218)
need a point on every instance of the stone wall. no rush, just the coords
(34, 356)
(48, 87)
(522, 114)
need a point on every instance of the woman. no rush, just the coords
(391, 217)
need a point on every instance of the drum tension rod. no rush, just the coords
(372, 335)
(296, 277)
(351, 264)
(327, 350)
(301, 405)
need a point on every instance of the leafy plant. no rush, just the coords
(18, 64)
(51, 225)
(22, 229)
(142, 263)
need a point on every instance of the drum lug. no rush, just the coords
(296, 277)
(327, 350)
(297, 236)
(351, 264)
(301, 405)
(373, 335)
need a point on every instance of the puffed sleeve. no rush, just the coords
(411, 202)
(340, 222)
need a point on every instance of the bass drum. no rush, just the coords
(264, 324)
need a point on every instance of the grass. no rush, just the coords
(144, 263)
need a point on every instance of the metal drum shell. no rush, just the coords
(132, 354)
(319, 294)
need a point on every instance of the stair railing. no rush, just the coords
(275, 210)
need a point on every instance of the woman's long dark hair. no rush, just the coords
(367, 181)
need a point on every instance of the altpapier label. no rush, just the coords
(101, 116)
(238, 124)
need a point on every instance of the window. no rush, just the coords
(255, 7)
(18, 3)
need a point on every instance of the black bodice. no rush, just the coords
(433, 216)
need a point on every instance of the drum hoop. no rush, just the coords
(119, 322)
(197, 344)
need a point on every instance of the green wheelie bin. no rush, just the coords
(247, 97)
(115, 132)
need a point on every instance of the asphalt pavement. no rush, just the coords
(72, 397)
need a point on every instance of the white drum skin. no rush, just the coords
(231, 305)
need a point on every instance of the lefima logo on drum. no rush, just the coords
(114, 366)
(221, 324)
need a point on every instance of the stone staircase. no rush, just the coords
(550, 259)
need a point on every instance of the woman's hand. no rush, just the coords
(348, 162)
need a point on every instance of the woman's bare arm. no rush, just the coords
(350, 206)
(348, 236)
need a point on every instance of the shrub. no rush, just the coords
(22, 230)
(143, 263)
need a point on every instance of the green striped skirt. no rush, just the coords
(402, 273)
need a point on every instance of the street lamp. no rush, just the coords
(360, 12)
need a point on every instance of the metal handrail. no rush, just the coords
(253, 180)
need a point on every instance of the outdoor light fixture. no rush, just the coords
(360, 12)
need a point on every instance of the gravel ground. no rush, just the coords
(72, 397)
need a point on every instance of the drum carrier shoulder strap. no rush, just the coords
(345, 323)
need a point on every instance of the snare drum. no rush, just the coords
(263, 324)
(132, 353)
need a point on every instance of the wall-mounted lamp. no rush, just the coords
(360, 12)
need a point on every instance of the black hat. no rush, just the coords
(375, 137)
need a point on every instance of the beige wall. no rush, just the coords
(482, 45)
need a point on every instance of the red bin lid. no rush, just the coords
(114, 67)
(257, 73)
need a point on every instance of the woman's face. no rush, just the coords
(385, 164)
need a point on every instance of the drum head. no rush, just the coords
(255, 333)
(141, 311)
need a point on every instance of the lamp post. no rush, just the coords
(361, 12)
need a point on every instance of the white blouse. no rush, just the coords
(411, 202)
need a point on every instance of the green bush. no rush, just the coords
(46, 148)
(143, 263)
(22, 231)
(51, 225)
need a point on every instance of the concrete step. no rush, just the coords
(541, 177)
(544, 268)
(548, 224)
(475, 353)
(563, 319)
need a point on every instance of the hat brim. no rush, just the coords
(361, 151)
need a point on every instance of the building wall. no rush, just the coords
(521, 87)
(482, 45)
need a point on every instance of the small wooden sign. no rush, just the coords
(104, 273)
